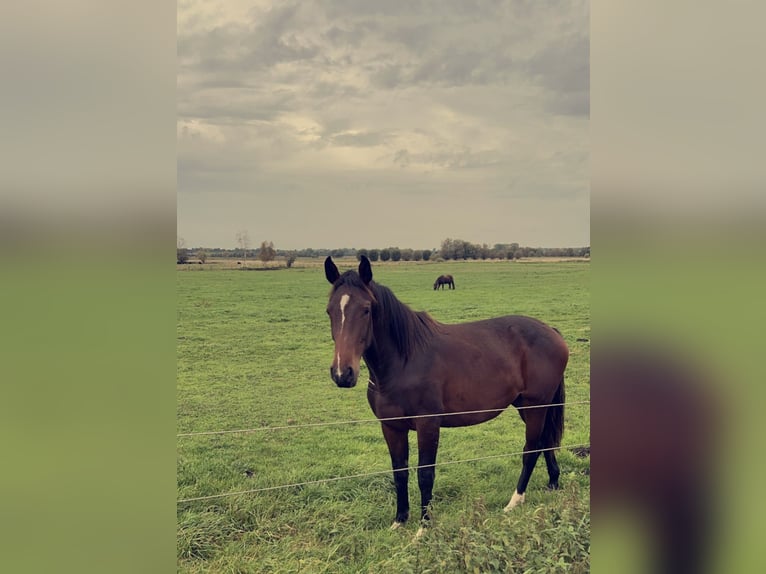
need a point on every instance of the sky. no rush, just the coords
(369, 123)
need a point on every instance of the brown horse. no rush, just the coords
(426, 370)
(443, 280)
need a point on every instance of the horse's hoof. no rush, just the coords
(396, 525)
(516, 499)
(419, 534)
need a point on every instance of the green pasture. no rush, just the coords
(254, 351)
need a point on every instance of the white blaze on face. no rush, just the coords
(343, 302)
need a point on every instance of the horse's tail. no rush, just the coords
(554, 419)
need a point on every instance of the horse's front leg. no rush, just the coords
(428, 444)
(398, 448)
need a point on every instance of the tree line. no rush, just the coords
(266, 252)
(461, 249)
(450, 249)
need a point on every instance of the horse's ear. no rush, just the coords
(331, 270)
(365, 269)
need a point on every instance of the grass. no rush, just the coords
(254, 351)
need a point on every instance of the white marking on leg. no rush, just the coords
(421, 531)
(516, 499)
(396, 525)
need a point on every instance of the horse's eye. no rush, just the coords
(366, 311)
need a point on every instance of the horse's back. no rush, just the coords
(544, 342)
(492, 362)
(511, 328)
(511, 344)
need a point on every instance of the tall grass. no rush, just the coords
(254, 350)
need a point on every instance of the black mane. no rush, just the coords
(409, 330)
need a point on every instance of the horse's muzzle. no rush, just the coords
(346, 379)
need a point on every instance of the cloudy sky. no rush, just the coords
(374, 123)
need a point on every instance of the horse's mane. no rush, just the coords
(409, 330)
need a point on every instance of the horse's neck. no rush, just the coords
(383, 356)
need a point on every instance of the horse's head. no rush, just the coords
(436, 284)
(350, 310)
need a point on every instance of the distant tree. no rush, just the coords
(202, 255)
(182, 254)
(470, 250)
(459, 249)
(290, 258)
(243, 241)
(499, 252)
(385, 254)
(373, 254)
(407, 254)
(417, 255)
(267, 252)
(426, 254)
(360, 252)
(447, 249)
(396, 254)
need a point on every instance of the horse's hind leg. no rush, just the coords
(553, 468)
(534, 419)
(428, 444)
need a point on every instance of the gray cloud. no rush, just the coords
(369, 97)
(452, 159)
(563, 68)
(270, 38)
(363, 139)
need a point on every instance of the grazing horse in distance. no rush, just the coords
(443, 280)
(425, 375)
